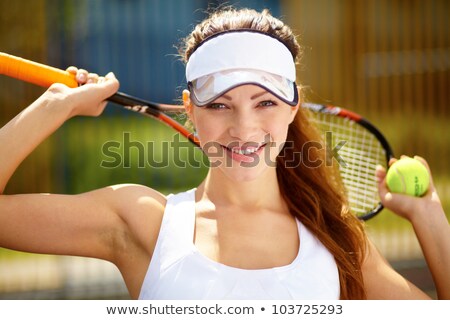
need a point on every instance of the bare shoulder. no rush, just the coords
(137, 196)
(139, 205)
(140, 209)
(383, 282)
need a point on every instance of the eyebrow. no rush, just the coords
(255, 96)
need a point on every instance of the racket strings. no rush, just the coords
(358, 157)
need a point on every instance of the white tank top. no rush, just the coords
(179, 271)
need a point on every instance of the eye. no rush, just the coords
(267, 103)
(216, 106)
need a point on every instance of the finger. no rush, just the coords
(106, 88)
(110, 75)
(380, 173)
(81, 76)
(392, 161)
(386, 196)
(72, 70)
(108, 80)
(425, 163)
(92, 78)
(111, 81)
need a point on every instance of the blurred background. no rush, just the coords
(386, 59)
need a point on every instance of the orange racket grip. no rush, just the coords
(33, 72)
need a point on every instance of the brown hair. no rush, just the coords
(315, 195)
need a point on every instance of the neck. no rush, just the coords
(262, 192)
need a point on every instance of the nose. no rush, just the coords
(245, 127)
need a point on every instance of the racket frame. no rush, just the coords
(366, 124)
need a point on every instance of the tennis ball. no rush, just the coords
(408, 176)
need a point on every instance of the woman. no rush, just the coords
(255, 228)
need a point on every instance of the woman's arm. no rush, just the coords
(119, 223)
(42, 223)
(382, 282)
(89, 224)
(27, 130)
(433, 232)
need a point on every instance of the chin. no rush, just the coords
(240, 174)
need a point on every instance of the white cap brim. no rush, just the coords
(208, 88)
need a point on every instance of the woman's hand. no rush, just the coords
(89, 99)
(406, 206)
(430, 226)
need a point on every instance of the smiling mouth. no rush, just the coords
(246, 150)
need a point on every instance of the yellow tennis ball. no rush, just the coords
(408, 176)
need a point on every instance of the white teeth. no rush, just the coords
(246, 151)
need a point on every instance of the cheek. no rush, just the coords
(278, 131)
(278, 141)
(207, 128)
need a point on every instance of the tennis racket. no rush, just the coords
(362, 144)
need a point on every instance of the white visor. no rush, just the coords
(208, 88)
(239, 57)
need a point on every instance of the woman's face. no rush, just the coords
(243, 131)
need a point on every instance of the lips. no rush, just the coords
(245, 153)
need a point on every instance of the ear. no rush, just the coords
(294, 109)
(188, 106)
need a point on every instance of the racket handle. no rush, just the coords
(33, 72)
